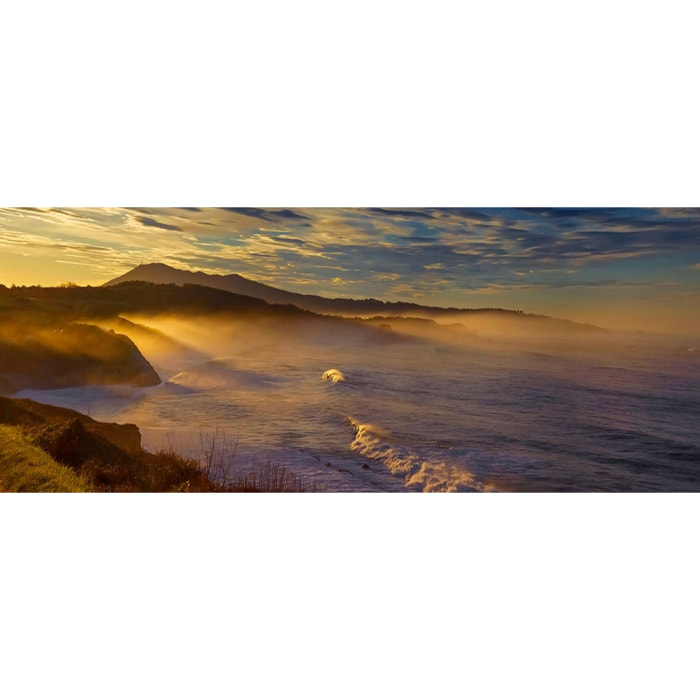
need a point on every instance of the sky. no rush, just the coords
(628, 268)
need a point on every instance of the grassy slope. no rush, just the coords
(52, 449)
(25, 467)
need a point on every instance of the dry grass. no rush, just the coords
(24, 467)
(218, 460)
(55, 449)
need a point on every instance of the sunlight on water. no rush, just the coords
(424, 415)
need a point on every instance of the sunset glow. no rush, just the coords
(621, 268)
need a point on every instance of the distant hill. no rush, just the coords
(46, 304)
(159, 273)
(54, 337)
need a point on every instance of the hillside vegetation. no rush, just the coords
(41, 305)
(105, 456)
(52, 449)
(26, 467)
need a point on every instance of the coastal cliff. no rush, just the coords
(73, 354)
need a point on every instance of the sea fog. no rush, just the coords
(398, 405)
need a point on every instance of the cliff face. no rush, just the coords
(33, 416)
(46, 357)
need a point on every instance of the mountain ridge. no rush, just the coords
(160, 273)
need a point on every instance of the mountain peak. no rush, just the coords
(155, 266)
(158, 273)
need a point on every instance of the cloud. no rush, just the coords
(72, 213)
(147, 221)
(285, 240)
(377, 251)
(464, 214)
(276, 215)
(402, 213)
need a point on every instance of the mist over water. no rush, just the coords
(375, 410)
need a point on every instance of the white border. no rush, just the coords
(375, 104)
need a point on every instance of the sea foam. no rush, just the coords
(333, 375)
(221, 373)
(420, 472)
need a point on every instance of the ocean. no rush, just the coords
(555, 414)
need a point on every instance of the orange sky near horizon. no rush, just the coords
(635, 269)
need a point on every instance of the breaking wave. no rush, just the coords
(215, 374)
(333, 375)
(420, 472)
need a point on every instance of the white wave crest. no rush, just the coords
(373, 442)
(333, 375)
(216, 374)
